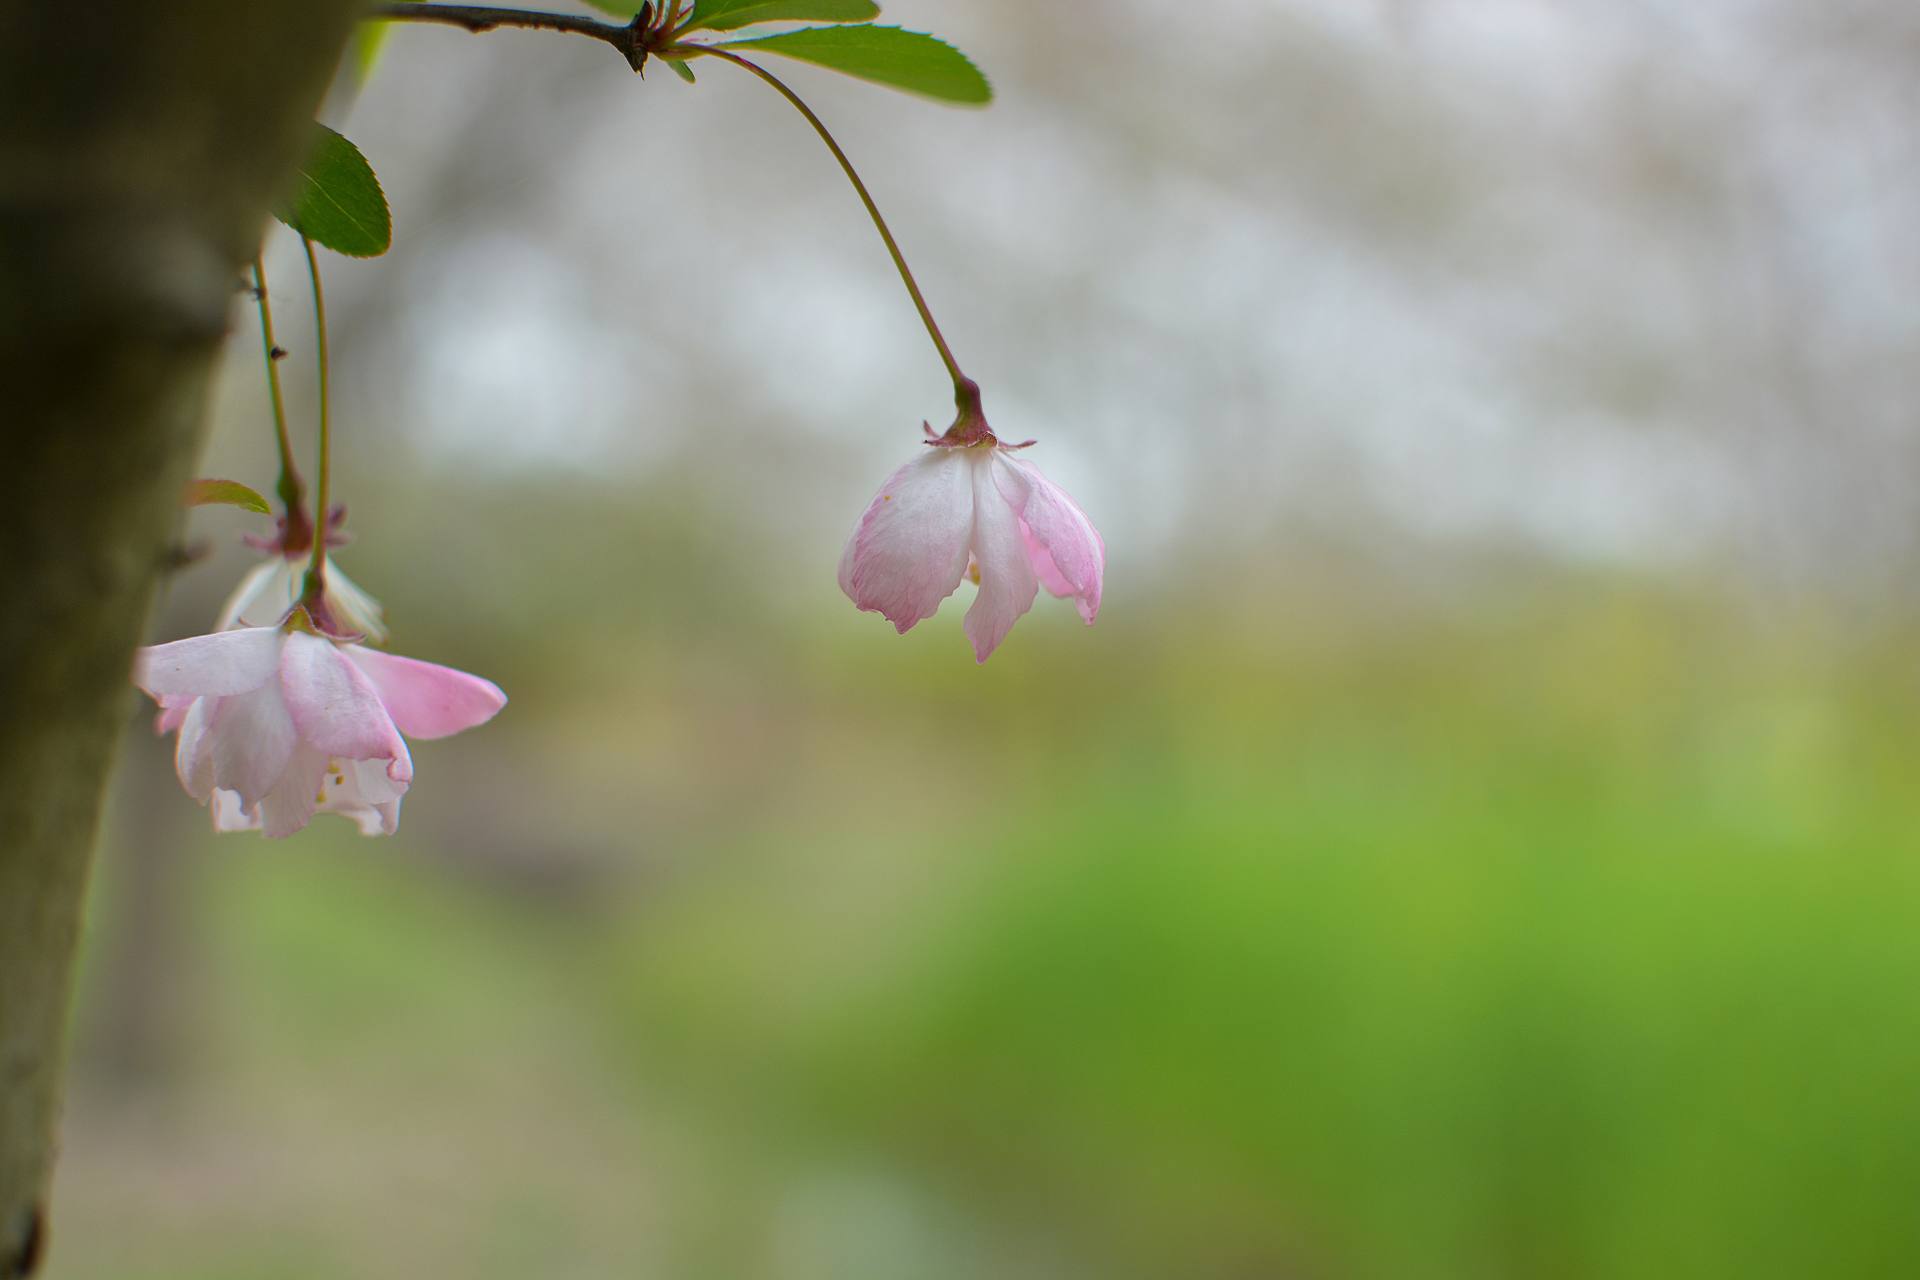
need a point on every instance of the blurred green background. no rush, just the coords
(1477, 840)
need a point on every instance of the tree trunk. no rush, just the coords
(140, 148)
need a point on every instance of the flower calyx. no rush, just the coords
(312, 615)
(969, 429)
(654, 29)
(293, 532)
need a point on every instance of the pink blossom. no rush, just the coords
(969, 508)
(278, 724)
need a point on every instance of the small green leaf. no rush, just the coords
(680, 69)
(731, 15)
(226, 493)
(339, 202)
(907, 60)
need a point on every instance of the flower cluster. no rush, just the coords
(284, 712)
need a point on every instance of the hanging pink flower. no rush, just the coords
(969, 508)
(278, 724)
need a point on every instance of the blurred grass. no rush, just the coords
(1579, 950)
(1569, 935)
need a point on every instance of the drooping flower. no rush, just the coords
(969, 508)
(278, 723)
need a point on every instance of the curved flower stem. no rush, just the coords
(964, 387)
(652, 31)
(292, 489)
(316, 584)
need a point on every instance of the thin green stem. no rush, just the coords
(964, 387)
(316, 585)
(652, 32)
(292, 489)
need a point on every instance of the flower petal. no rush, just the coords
(172, 713)
(353, 607)
(365, 783)
(264, 596)
(426, 700)
(370, 798)
(377, 819)
(226, 662)
(1067, 552)
(1043, 566)
(193, 749)
(228, 815)
(908, 551)
(335, 707)
(1007, 581)
(291, 803)
(252, 740)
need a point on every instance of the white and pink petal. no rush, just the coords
(193, 749)
(230, 815)
(215, 665)
(172, 713)
(252, 740)
(426, 700)
(367, 795)
(264, 595)
(352, 607)
(335, 707)
(1066, 551)
(909, 550)
(291, 804)
(1007, 580)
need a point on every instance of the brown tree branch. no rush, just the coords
(630, 38)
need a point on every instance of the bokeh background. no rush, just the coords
(1478, 839)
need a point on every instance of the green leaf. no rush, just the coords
(680, 69)
(339, 202)
(731, 15)
(907, 60)
(227, 493)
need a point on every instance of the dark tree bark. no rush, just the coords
(140, 148)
